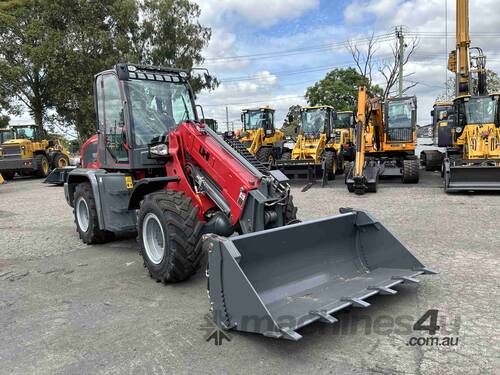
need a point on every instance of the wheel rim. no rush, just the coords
(153, 238)
(45, 166)
(82, 214)
(62, 163)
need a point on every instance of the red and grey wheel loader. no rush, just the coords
(168, 176)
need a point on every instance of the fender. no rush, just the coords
(79, 175)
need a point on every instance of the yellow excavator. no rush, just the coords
(385, 142)
(472, 159)
(260, 136)
(316, 151)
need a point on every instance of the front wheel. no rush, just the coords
(42, 166)
(265, 155)
(410, 171)
(169, 236)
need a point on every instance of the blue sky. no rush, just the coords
(319, 28)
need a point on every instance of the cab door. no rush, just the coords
(113, 145)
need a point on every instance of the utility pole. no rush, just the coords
(401, 55)
(227, 119)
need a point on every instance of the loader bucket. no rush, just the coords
(279, 280)
(472, 177)
(58, 176)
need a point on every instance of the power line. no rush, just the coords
(295, 51)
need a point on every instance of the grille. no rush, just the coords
(400, 135)
(10, 151)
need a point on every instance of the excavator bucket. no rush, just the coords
(471, 178)
(276, 281)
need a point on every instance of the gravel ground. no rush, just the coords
(70, 308)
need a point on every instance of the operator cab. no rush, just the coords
(400, 119)
(29, 132)
(315, 121)
(137, 106)
(254, 119)
(345, 120)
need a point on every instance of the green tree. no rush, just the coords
(4, 121)
(99, 34)
(292, 121)
(50, 50)
(29, 33)
(339, 89)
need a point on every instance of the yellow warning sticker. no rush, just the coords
(128, 182)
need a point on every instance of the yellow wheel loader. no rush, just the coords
(316, 153)
(472, 159)
(260, 136)
(385, 142)
(29, 153)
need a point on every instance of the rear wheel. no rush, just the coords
(42, 166)
(170, 236)
(8, 175)
(410, 171)
(265, 155)
(60, 161)
(85, 212)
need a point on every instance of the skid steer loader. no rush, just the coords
(186, 191)
(472, 159)
(385, 142)
(316, 153)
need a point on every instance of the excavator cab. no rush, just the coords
(400, 120)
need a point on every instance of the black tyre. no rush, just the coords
(411, 172)
(7, 176)
(350, 187)
(291, 212)
(286, 155)
(330, 164)
(60, 161)
(42, 166)
(265, 155)
(85, 212)
(340, 165)
(170, 236)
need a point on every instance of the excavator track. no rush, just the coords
(242, 150)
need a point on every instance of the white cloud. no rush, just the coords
(258, 12)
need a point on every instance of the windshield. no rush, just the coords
(254, 120)
(25, 132)
(400, 114)
(480, 110)
(343, 121)
(157, 108)
(6, 135)
(314, 121)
